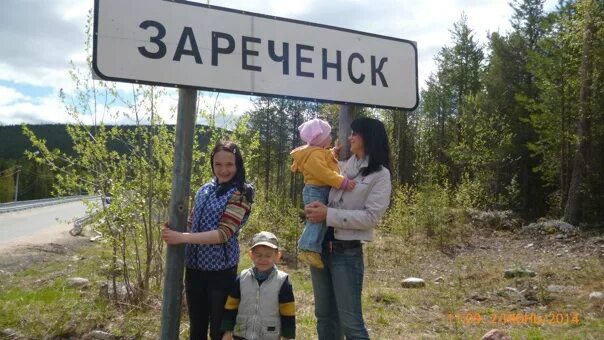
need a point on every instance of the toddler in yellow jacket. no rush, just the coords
(320, 169)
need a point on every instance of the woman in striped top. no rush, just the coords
(221, 208)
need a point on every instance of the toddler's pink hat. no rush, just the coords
(314, 131)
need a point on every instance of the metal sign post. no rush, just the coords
(345, 118)
(179, 204)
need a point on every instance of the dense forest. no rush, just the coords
(517, 124)
(36, 180)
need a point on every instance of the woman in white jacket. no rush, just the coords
(351, 217)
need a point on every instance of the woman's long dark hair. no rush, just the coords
(375, 141)
(239, 179)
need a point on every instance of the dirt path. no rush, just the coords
(40, 248)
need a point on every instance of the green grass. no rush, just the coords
(393, 312)
(50, 308)
(38, 303)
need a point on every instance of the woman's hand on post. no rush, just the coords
(170, 236)
(227, 336)
(315, 212)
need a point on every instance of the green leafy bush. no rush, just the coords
(427, 211)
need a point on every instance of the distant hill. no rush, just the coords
(13, 143)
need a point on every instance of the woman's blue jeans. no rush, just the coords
(337, 289)
(313, 233)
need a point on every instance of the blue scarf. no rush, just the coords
(262, 276)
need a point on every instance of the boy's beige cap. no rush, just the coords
(264, 238)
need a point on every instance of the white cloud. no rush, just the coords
(232, 104)
(38, 40)
(75, 11)
(37, 111)
(55, 78)
(9, 96)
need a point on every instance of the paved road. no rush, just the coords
(38, 225)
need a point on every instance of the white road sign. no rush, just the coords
(182, 43)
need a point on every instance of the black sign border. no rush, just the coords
(259, 94)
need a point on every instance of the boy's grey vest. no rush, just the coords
(258, 316)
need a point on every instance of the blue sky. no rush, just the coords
(40, 38)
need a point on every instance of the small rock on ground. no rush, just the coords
(496, 334)
(519, 272)
(413, 282)
(98, 335)
(78, 282)
(596, 296)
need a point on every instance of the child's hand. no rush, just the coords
(227, 336)
(351, 184)
(335, 151)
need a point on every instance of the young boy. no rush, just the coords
(321, 172)
(261, 305)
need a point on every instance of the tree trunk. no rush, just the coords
(280, 183)
(403, 154)
(267, 164)
(441, 134)
(295, 138)
(563, 151)
(572, 211)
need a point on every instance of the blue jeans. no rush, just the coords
(313, 233)
(337, 289)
